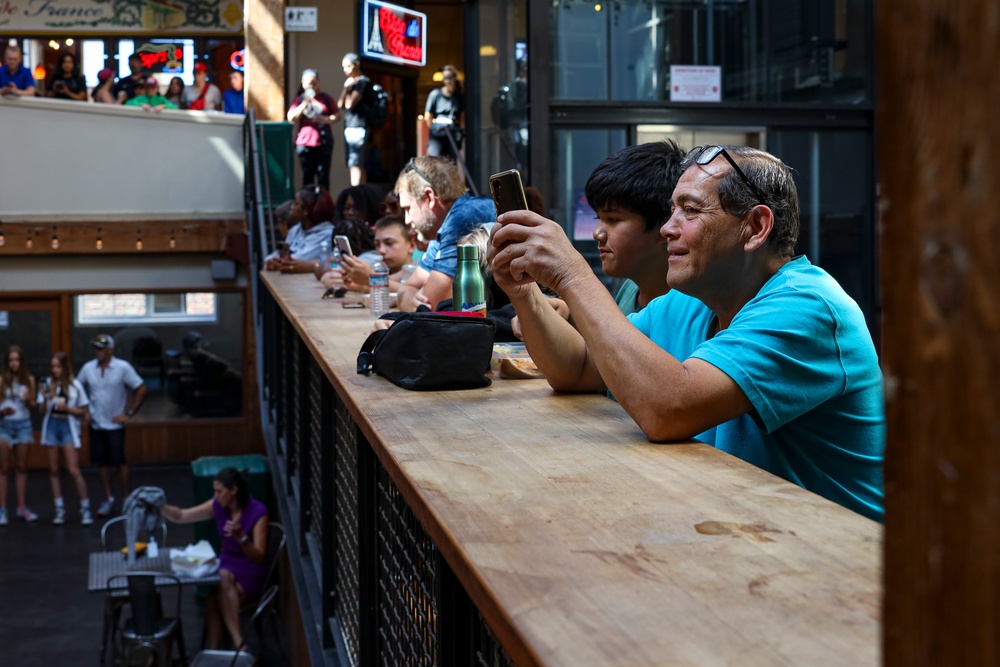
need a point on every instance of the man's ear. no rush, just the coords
(432, 198)
(758, 227)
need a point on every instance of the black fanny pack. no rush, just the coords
(430, 351)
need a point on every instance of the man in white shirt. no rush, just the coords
(108, 380)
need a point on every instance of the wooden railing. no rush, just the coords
(513, 525)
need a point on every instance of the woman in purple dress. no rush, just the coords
(243, 525)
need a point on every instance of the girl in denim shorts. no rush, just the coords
(17, 398)
(64, 403)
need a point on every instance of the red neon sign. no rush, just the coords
(394, 29)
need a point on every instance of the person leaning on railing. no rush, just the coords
(786, 372)
(312, 212)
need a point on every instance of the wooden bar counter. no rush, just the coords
(581, 543)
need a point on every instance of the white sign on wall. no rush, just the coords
(300, 19)
(695, 83)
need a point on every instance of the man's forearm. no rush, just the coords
(558, 349)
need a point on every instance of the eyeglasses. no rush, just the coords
(709, 153)
(449, 78)
(412, 166)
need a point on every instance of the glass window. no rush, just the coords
(783, 51)
(503, 86)
(188, 348)
(145, 308)
(577, 154)
(833, 172)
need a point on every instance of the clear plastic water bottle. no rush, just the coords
(378, 282)
(324, 253)
(335, 257)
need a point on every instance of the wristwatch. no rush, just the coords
(244, 540)
(130, 413)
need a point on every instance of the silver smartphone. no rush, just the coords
(343, 244)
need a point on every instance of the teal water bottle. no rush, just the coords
(468, 293)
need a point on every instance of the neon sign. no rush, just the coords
(238, 60)
(393, 34)
(161, 57)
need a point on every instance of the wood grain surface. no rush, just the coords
(937, 142)
(583, 544)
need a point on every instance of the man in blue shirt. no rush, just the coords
(232, 99)
(433, 197)
(15, 78)
(786, 369)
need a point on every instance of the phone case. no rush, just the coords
(508, 194)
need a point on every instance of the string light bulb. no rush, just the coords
(30, 243)
(99, 244)
(55, 238)
(3, 241)
(138, 240)
(173, 241)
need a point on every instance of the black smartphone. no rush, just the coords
(343, 244)
(508, 193)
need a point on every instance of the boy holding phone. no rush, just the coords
(392, 241)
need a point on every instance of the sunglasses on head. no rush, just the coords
(709, 153)
(412, 166)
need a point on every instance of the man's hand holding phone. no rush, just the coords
(526, 248)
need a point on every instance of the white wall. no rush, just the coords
(74, 161)
(190, 272)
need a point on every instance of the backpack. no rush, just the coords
(378, 108)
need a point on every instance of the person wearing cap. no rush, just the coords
(203, 95)
(15, 78)
(149, 97)
(103, 92)
(108, 380)
(125, 87)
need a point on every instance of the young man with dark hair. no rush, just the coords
(630, 191)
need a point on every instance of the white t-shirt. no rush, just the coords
(213, 97)
(77, 399)
(108, 391)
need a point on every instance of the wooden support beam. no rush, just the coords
(938, 147)
(265, 58)
(116, 237)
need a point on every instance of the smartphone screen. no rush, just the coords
(343, 245)
(508, 194)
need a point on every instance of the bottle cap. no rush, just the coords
(468, 252)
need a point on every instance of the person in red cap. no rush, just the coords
(103, 92)
(203, 95)
(149, 97)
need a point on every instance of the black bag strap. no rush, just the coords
(366, 357)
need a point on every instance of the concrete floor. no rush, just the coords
(47, 617)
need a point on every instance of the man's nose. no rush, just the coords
(669, 228)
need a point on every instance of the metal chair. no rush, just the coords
(148, 630)
(113, 603)
(239, 657)
(275, 546)
(276, 542)
(121, 520)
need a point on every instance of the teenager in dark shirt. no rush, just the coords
(66, 83)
